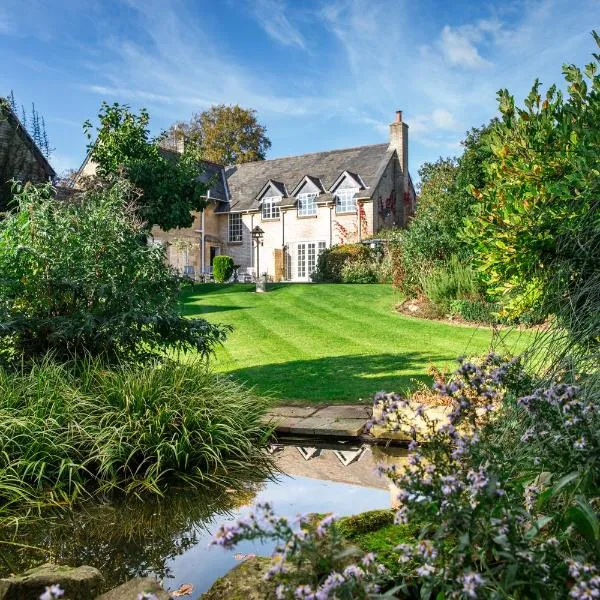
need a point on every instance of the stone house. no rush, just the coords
(20, 158)
(303, 204)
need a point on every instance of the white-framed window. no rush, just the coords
(270, 208)
(307, 204)
(345, 202)
(235, 227)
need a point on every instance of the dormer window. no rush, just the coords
(307, 204)
(270, 208)
(345, 201)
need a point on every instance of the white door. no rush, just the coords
(306, 259)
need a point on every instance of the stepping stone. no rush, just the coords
(292, 411)
(346, 411)
(316, 425)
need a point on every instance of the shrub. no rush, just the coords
(359, 271)
(72, 429)
(222, 268)
(78, 278)
(477, 311)
(453, 281)
(332, 260)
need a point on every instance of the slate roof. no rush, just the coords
(245, 181)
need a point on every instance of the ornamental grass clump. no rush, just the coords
(76, 429)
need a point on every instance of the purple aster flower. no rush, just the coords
(52, 592)
(471, 582)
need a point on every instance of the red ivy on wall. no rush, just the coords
(362, 215)
(387, 206)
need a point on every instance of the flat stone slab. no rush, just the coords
(328, 426)
(346, 411)
(293, 411)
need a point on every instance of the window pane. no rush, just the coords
(307, 205)
(345, 201)
(270, 210)
(235, 227)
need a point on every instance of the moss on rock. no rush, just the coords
(244, 582)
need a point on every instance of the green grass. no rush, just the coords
(330, 342)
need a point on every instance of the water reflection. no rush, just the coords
(169, 536)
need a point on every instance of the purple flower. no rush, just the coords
(470, 582)
(52, 592)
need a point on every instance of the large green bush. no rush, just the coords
(222, 268)
(537, 228)
(332, 260)
(359, 271)
(78, 278)
(77, 428)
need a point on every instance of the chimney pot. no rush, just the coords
(398, 116)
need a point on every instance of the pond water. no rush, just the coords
(170, 537)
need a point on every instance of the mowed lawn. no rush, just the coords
(330, 342)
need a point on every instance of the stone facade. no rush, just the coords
(20, 158)
(353, 193)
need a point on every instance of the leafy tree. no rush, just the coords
(169, 186)
(223, 134)
(77, 278)
(537, 227)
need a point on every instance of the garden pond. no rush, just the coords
(170, 537)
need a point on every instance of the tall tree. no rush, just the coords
(223, 134)
(169, 184)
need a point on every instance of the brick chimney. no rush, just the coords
(399, 140)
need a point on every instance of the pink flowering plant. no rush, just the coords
(311, 559)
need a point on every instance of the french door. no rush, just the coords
(306, 258)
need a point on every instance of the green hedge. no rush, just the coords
(222, 268)
(332, 260)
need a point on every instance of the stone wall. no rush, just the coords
(20, 159)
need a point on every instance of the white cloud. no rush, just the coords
(438, 119)
(271, 16)
(458, 47)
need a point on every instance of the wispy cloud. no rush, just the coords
(459, 49)
(6, 25)
(272, 16)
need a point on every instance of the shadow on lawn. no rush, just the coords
(199, 310)
(341, 378)
(201, 290)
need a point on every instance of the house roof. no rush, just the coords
(246, 180)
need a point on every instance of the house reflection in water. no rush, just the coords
(342, 463)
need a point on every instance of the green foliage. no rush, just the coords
(222, 268)
(359, 271)
(169, 183)
(332, 260)
(477, 311)
(73, 429)
(223, 134)
(455, 280)
(78, 278)
(537, 226)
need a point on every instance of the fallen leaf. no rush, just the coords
(242, 557)
(183, 590)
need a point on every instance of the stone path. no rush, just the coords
(336, 420)
(343, 421)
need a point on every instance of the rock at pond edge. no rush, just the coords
(131, 589)
(243, 582)
(79, 583)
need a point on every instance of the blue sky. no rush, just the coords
(321, 74)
